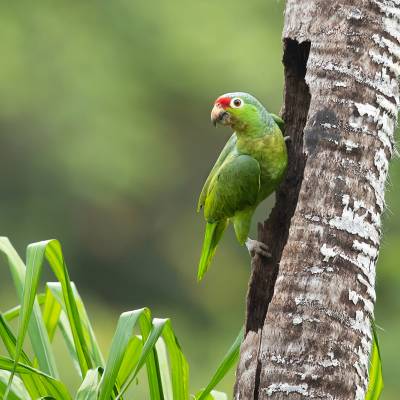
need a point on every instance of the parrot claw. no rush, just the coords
(255, 247)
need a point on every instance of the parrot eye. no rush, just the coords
(236, 102)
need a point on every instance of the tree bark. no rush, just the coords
(309, 308)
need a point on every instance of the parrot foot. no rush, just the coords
(255, 247)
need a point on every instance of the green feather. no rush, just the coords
(229, 146)
(241, 223)
(279, 121)
(212, 236)
(233, 188)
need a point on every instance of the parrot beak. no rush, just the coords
(218, 114)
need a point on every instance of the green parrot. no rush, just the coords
(249, 168)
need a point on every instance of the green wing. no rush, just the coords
(234, 187)
(279, 121)
(229, 146)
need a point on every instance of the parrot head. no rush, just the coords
(237, 110)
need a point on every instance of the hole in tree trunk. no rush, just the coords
(274, 231)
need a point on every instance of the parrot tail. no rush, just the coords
(212, 236)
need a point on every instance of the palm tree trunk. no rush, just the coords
(309, 308)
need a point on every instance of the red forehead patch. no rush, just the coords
(223, 101)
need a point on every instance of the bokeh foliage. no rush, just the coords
(106, 141)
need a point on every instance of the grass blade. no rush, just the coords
(17, 391)
(131, 358)
(9, 340)
(227, 363)
(119, 345)
(52, 250)
(37, 331)
(51, 313)
(65, 329)
(165, 374)
(36, 253)
(90, 337)
(375, 385)
(149, 355)
(214, 395)
(177, 367)
(14, 312)
(57, 317)
(178, 364)
(148, 351)
(54, 387)
(34, 387)
(89, 388)
(218, 395)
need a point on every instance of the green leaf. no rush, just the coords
(157, 346)
(57, 318)
(178, 364)
(148, 351)
(65, 329)
(218, 395)
(54, 387)
(227, 363)
(9, 340)
(149, 356)
(89, 388)
(32, 384)
(14, 312)
(131, 358)
(36, 252)
(214, 395)
(17, 391)
(165, 375)
(51, 249)
(90, 337)
(119, 345)
(37, 331)
(51, 313)
(375, 385)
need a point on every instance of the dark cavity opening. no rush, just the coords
(274, 231)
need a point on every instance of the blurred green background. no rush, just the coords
(106, 141)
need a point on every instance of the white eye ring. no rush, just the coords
(236, 102)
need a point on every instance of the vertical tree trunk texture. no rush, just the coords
(309, 308)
